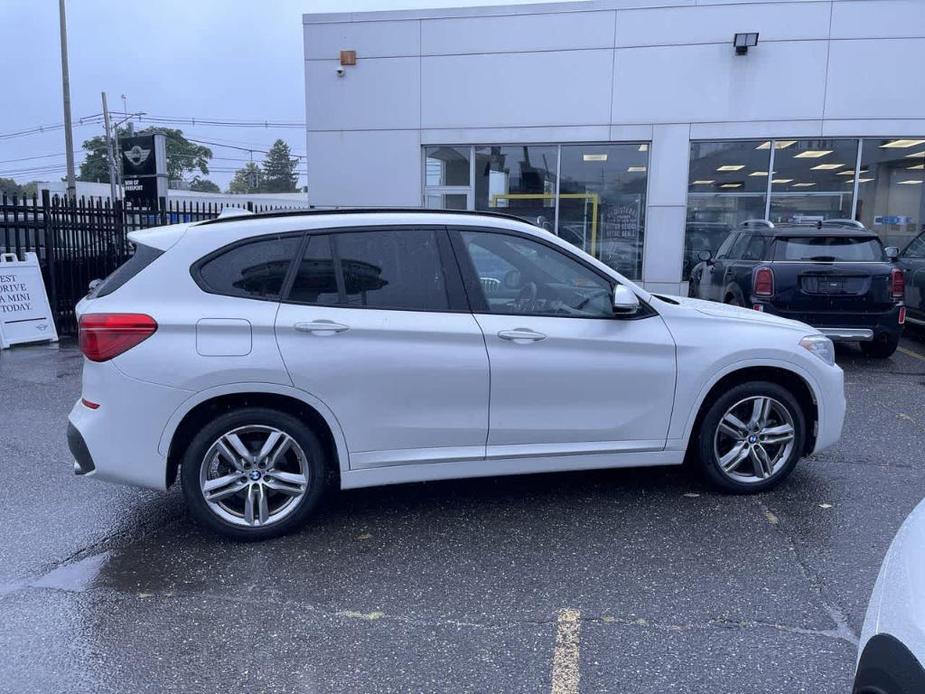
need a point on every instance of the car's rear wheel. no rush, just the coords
(882, 346)
(253, 473)
(751, 437)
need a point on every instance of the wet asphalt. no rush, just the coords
(453, 586)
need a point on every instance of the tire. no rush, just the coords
(779, 458)
(882, 346)
(258, 504)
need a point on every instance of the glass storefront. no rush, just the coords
(890, 189)
(592, 195)
(876, 181)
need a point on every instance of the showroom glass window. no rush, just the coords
(890, 189)
(518, 179)
(447, 173)
(728, 184)
(602, 202)
(813, 180)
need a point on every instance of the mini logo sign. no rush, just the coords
(137, 155)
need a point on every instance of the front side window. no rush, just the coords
(385, 269)
(523, 277)
(255, 269)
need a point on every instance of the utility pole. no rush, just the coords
(66, 89)
(109, 152)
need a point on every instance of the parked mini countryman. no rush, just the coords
(835, 276)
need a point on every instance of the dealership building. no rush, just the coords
(640, 131)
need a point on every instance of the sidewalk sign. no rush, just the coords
(25, 315)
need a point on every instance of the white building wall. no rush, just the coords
(605, 70)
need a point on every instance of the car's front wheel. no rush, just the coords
(253, 473)
(751, 437)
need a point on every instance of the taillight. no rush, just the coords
(763, 282)
(103, 336)
(897, 283)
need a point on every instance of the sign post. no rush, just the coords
(25, 315)
(144, 168)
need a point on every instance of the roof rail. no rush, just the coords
(842, 223)
(766, 223)
(311, 212)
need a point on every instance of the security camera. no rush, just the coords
(340, 72)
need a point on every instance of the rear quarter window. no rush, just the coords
(143, 257)
(254, 269)
(828, 248)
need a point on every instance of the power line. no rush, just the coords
(217, 122)
(95, 119)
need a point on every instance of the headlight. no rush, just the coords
(821, 346)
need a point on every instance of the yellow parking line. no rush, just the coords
(565, 660)
(916, 355)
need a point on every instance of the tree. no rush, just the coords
(183, 156)
(279, 167)
(247, 179)
(203, 185)
(9, 187)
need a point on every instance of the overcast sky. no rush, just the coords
(217, 59)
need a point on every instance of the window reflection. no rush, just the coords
(518, 179)
(813, 180)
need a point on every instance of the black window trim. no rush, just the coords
(453, 284)
(474, 288)
(196, 267)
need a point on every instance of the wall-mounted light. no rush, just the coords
(743, 42)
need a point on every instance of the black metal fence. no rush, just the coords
(79, 240)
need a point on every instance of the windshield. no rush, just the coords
(828, 248)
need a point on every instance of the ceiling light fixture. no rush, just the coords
(704, 182)
(778, 144)
(826, 167)
(731, 167)
(916, 155)
(594, 157)
(644, 147)
(913, 182)
(781, 180)
(759, 173)
(731, 185)
(917, 166)
(802, 185)
(812, 153)
(901, 144)
(636, 169)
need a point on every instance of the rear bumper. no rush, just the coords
(844, 327)
(118, 442)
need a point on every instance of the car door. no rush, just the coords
(712, 278)
(912, 261)
(376, 326)
(567, 376)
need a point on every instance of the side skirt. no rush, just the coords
(400, 474)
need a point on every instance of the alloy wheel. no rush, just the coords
(254, 476)
(754, 439)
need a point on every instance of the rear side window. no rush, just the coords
(255, 269)
(828, 248)
(385, 269)
(755, 249)
(144, 256)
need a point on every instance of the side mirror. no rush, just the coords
(705, 256)
(892, 252)
(625, 302)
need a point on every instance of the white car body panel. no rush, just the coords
(426, 396)
(897, 603)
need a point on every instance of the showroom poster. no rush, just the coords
(25, 315)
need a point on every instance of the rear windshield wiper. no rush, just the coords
(826, 258)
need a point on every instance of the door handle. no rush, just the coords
(521, 335)
(321, 327)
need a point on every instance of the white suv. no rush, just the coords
(270, 357)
